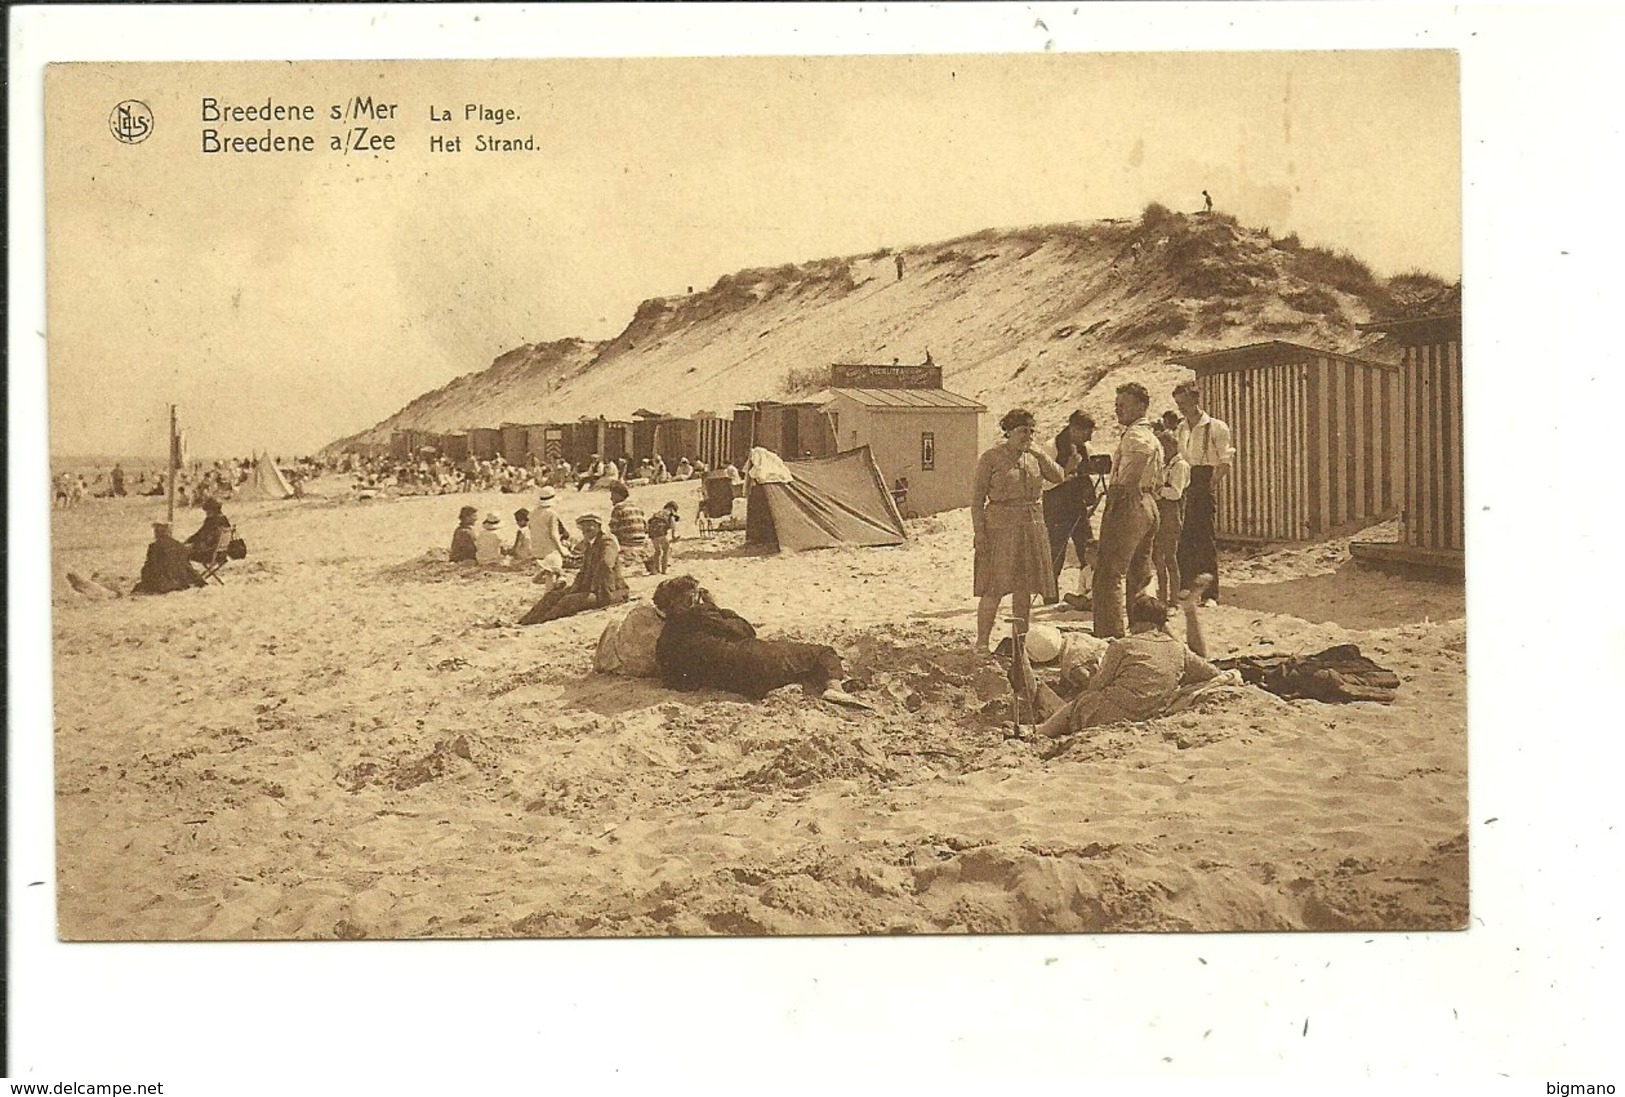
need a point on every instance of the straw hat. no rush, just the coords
(1044, 643)
(545, 496)
(492, 521)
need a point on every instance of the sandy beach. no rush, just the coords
(352, 739)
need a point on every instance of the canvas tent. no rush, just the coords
(838, 500)
(266, 481)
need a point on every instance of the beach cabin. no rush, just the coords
(1433, 489)
(1318, 437)
(614, 439)
(793, 431)
(454, 446)
(484, 443)
(546, 441)
(713, 435)
(927, 436)
(676, 439)
(514, 445)
(400, 445)
(578, 441)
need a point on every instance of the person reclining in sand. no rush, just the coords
(598, 584)
(1141, 674)
(168, 567)
(703, 645)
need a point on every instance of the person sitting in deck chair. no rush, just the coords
(203, 545)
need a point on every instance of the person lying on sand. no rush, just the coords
(167, 567)
(703, 645)
(598, 584)
(1139, 674)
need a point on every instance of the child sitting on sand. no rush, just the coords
(521, 551)
(487, 543)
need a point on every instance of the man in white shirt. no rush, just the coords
(1205, 444)
(1128, 528)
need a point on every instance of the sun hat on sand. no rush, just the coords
(1044, 643)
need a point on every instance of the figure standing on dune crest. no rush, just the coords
(1207, 202)
(899, 266)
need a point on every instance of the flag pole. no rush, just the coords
(172, 465)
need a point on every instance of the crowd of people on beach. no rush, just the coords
(194, 481)
(599, 552)
(1155, 548)
(1156, 526)
(1156, 534)
(437, 474)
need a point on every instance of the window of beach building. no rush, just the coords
(928, 450)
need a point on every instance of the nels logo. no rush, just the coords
(131, 121)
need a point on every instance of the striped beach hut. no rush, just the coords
(1434, 491)
(1318, 439)
(714, 439)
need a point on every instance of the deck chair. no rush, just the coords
(220, 557)
(716, 501)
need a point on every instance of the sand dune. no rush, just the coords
(352, 739)
(1033, 316)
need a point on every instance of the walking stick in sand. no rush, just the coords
(1022, 682)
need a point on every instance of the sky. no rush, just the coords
(285, 300)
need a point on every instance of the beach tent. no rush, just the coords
(828, 501)
(266, 482)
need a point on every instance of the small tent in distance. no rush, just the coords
(840, 500)
(266, 481)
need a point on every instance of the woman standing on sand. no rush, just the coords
(1007, 515)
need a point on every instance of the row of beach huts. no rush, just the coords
(1326, 442)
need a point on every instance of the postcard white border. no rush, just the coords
(1527, 992)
